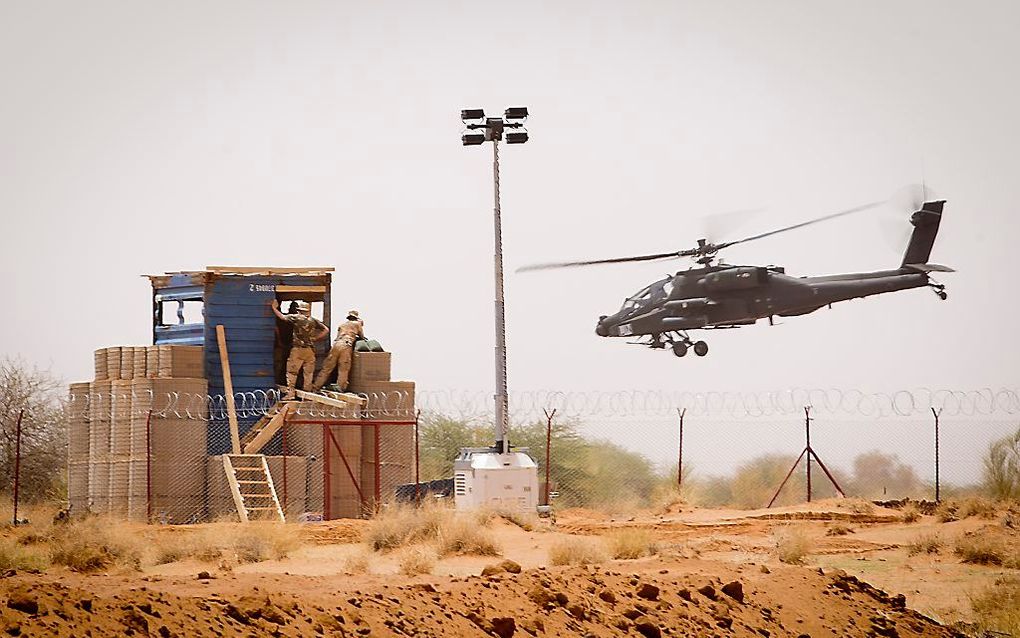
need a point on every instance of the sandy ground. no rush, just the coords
(715, 576)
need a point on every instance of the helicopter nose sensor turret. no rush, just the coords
(600, 328)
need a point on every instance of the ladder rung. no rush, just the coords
(260, 509)
(252, 482)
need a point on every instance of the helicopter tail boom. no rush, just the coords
(926, 227)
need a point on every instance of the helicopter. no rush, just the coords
(714, 295)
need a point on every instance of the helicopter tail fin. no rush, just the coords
(926, 227)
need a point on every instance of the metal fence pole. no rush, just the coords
(283, 449)
(937, 414)
(148, 467)
(326, 478)
(17, 464)
(680, 451)
(548, 449)
(807, 430)
(417, 460)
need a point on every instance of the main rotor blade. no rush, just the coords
(595, 262)
(841, 213)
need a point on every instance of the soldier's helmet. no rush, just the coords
(353, 314)
(304, 307)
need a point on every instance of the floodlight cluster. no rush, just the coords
(480, 129)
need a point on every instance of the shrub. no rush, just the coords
(839, 529)
(791, 546)
(925, 544)
(997, 608)
(1002, 468)
(417, 559)
(577, 551)
(632, 543)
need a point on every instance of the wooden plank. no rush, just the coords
(349, 397)
(318, 289)
(267, 269)
(228, 389)
(268, 430)
(235, 489)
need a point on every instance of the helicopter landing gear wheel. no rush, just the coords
(942, 295)
(679, 348)
(700, 348)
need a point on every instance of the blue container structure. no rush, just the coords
(187, 307)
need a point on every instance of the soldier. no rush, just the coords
(342, 352)
(307, 330)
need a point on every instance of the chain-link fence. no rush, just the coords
(139, 453)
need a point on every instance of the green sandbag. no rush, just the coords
(368, 345)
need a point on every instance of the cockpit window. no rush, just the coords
(647, 294)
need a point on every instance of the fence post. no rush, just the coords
(417, 460)
(327, 497)
(937, 414)
(680, 450)
(283, 449)
(148, 467)
(548, 449)
(17, 464)
(807, 430)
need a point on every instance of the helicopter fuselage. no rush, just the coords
(725, 296)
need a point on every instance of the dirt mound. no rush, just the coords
(651, 598)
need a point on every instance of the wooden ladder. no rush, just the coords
(251, 485)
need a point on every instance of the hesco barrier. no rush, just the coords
(148, 455)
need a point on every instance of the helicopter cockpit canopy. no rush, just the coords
(652, 292)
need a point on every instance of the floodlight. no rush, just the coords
(472, 114)
(472, 139)
(516, 113)
(516, 137)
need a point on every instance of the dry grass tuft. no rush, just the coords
(15, 555)
(578, 551)
(925, 544)
(791, 546)
(252, 542)
(460, 536)
(981, 549)
(838, 529)
(357, 563)
(92, 545)
(257, 542)
(979, 507)
(947, 512)
(452, 534)
(857, 505)
(997, 608)
(911, 513)
(417, 559)
(632, 543)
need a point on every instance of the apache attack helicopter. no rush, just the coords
(713, 296)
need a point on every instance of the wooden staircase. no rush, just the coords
(262, 431)
(251, 485)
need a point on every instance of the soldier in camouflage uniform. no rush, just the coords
(307, 330)
(342, 353)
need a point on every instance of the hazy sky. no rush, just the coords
(144, 137)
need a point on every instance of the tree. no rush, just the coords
(1002, 468)
(43, 430)
(586, 472)
(883, 476)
